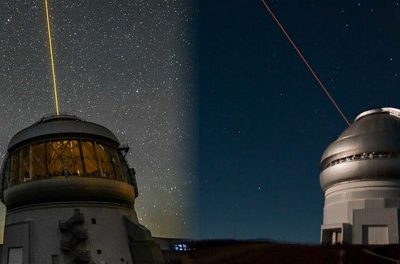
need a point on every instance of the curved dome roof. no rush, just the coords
(373, 130)
(375, 135)
(62, 125)
(90, 169)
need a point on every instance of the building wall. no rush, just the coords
(362, 203)
(37, 230)
(19, 237)
(373, 216)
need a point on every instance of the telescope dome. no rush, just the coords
(54, 126)
(368, 149)
(63, 159)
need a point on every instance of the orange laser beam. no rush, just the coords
(306, 63)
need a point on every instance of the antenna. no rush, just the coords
(306, 62)
(53, 71)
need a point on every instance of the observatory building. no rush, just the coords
(360, 177)
(70, 196)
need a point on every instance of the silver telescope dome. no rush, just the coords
(368, 149)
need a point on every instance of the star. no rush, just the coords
(122, 65)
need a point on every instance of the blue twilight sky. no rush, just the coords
(264, 122)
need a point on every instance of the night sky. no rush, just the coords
(264, 122)
(128, 65)
(226, 125)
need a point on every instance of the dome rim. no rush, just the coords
(50, 127)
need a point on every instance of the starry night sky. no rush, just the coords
(128, 65)
(264, 122)
(220, 113)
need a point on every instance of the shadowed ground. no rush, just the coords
(267, 252)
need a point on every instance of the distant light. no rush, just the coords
(181, 247)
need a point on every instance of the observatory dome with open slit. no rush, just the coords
(70, 194)
(63, 158)
(360, 177)
(368, 148)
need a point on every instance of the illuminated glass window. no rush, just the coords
(105, 161)
(89, 159)
(124, 168)
(24, 173)
(117, 165)
(65, 158)
(38, 161)
(55, 158)
(14, 169)
(72, 158)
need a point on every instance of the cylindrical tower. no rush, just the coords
(360, 177)
(70, 195)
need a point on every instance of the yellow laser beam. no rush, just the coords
(52, 58)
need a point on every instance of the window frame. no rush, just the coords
(12, 179)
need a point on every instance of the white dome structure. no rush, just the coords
(360, 177)
(70, 197)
